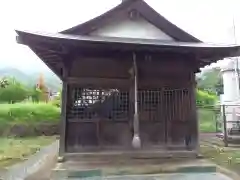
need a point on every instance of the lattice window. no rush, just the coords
(105, 104)
(149, 103)
(177, 103)
(164, 104)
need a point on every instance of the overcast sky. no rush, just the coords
(208, 20)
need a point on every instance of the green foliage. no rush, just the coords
(3, 83)
(211, 81)
(36, 94)
(56, 102)
(207, 119)
(28, 113)
(13, 91)
(29, 79)
(204, 98)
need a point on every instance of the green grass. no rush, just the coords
(225, 157)
(32, 113)
(13, 150)
(28, 113)
(207, 120)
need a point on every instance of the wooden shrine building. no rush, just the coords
(128, 80)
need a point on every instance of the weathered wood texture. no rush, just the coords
(101, 111)
(118, 67)
(64, 108)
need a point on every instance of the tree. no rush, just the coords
(13, 91)
(3, 83)
(211, 81)
(41, 83)
(41, 87)
(219, 86)
(36, 94)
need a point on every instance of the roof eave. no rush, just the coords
(51, 43)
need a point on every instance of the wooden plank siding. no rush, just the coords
(103, 118)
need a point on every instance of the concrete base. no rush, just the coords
(112, 164)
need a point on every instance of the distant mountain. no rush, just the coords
(12, 72)
(30, 79)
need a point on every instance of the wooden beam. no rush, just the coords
(235, 53)
(193, 123)
(62, 147)
(86, 81)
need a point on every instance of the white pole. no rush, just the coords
(236, 59)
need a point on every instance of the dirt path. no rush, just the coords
(44, 173)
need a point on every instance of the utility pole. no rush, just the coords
(236, 58)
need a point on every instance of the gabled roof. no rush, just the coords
(55, 49)
(146, 12)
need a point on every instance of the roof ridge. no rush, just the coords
(116, 8)
(151, 15)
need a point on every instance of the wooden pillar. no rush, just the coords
(194, 124)
(136, 142)
(63, 124)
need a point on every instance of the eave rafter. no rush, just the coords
(47, 45)
(206, 58)
(51, 60)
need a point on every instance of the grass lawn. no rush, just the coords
(13, 150)
(225, 157)
(29, 113)
(207, 120)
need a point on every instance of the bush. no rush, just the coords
(36, 94)
(203, 98)
(29, 113)
(13, 91)
(57, 100)
(29, 119)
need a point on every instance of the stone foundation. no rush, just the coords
(114, 164)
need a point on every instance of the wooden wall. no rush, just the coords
(100, 68)
(119, 66)
(174, 117)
